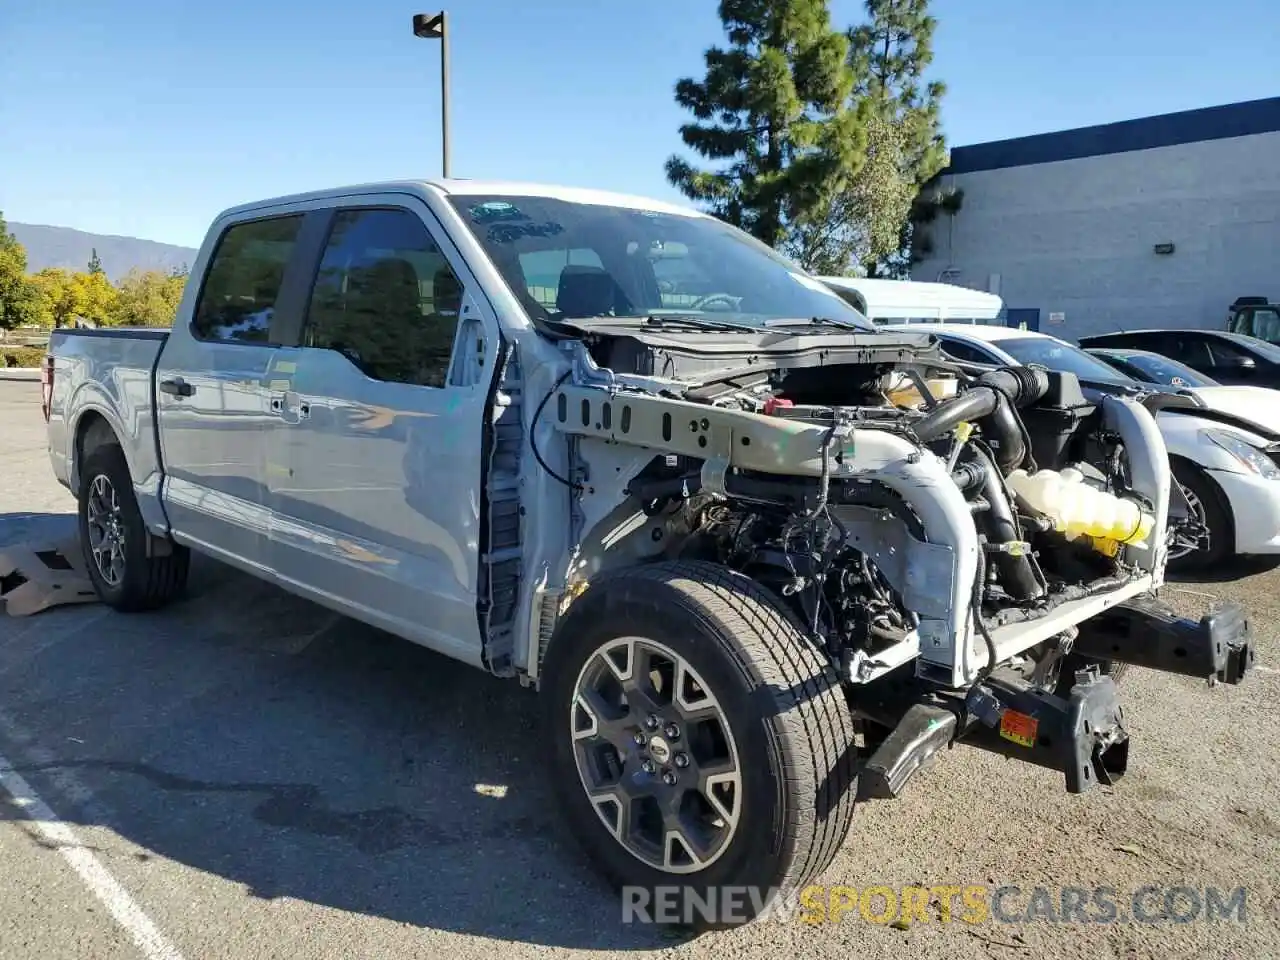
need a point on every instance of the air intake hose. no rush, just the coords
(998, 525)
(992, 403)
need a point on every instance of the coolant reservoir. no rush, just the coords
(902, 391)
(1078, 509)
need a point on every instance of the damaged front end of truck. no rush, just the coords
(889, 501)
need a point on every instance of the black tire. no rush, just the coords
(1216, 516)
(145, 583)
(796, 752)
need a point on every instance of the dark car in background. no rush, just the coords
(1229, 358)
(1153, 368)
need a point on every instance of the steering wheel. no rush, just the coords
(728, 302)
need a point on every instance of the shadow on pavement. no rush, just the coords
(1237, 568)
(257, 737)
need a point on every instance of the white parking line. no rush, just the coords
(103, 885)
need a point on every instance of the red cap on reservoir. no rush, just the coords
(774, 404)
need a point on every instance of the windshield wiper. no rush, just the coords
(818, 322)
(697, 323)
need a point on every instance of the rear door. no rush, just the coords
(376, 467)
(214, 417)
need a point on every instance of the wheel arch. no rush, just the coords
(1219, 495)
(93, 429)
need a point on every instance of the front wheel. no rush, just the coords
(702, 750)
(1212, 544)
(124, 573)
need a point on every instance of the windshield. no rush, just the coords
(1169, 372)
(1260, 322)
(566, 260)
(1055, 355)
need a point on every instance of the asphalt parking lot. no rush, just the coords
(246, 775)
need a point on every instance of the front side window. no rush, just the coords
(1251, 346)
(385, 298)
(242, 283)
(568, 260)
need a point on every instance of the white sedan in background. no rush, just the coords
(1226, 465)
(1260, 406)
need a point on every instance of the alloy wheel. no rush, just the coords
(106, 530)
(656, 755)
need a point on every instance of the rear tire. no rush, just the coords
(725, 652)
(114, 539)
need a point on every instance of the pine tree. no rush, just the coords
(775, 117)
(889, 56)
(95, 265)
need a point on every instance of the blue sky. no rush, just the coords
(145, 118)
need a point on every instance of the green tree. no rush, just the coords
(57, 295)
(18, 301)
(862, 224)
(97, 297)
(95, 265)
(774, 116)
(889, 56)
(148, 299)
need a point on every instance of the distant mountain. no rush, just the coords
(64, 247)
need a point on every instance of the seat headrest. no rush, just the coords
(388, 283)
(587, 292)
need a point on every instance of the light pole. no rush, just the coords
(431, 26)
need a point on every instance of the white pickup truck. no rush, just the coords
(624, 453)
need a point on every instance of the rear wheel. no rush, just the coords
(115, 540)
(701, 745)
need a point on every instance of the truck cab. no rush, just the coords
(1255, 317)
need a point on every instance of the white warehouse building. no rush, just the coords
(1162, 221)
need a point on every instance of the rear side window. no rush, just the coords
(243, 281)
(386, 298)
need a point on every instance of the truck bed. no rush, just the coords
(108, 374)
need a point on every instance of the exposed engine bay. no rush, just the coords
(902, 506)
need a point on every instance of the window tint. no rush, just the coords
(385, 298)
(1226, 354)
(1186, 349)
(964, 352)
(1260, 349)
(243, 281)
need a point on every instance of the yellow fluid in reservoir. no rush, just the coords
(1079, 510)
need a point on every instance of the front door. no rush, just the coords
(212, 398)
(375, 477)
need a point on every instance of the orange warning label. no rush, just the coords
(1019, 727)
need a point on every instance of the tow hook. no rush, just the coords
(1082, 735)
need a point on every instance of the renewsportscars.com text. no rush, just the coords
(941, 903)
